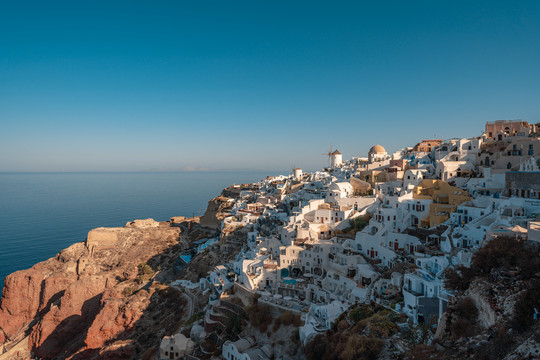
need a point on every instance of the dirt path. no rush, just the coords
(189, 299)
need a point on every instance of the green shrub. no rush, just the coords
(361, 312)
(144, 269)
(127, 291)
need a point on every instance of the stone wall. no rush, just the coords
(102, 237)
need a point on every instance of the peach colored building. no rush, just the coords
(427, 145)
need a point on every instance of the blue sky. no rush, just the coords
(165, 85)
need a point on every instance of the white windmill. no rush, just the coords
(335, 158)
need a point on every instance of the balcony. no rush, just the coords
(413, 292)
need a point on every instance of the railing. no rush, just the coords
(410, 291)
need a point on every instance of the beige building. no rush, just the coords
(509, 154)
(500, 129)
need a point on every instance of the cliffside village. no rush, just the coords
(382, 228)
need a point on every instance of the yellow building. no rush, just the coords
(445, 199)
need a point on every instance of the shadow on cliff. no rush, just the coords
(45, 308)
(162, 315)
(65, 334)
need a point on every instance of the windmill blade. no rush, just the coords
(329, 150)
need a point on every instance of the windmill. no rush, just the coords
(297, 172)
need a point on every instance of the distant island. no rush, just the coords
(432, 251)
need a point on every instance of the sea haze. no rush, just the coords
(43, 213)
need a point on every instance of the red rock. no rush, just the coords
(78, 307)
(20, 300)
(71, 303)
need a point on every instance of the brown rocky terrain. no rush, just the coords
(97, 299)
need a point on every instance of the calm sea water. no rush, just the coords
(43, 213)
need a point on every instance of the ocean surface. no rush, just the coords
(43, 213)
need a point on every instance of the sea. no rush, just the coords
(43, 213)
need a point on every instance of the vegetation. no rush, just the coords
(467, 314)
(233, 326)
(525, 305)
(502, 252)
(357, 224)
(194, 317)
(502, 261)
(359, 333)
(361, 312)
(127, 291)
(287, 319)
(259, 316)
(144, 273)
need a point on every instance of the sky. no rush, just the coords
(266, 85)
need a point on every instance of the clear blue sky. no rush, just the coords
(163, 85)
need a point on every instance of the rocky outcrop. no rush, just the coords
(215, 212)
(93, 299)
(479, 294)
(20, 301)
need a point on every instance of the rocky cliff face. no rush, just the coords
(95, 299)
(215, 212)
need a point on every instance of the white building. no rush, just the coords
(424, 296)
(336, 159)
(413, 177)
(319, 319)
(245, 349)
(175, 347)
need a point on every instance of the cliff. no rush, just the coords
(97, 299)
(216, 212)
